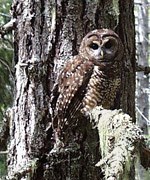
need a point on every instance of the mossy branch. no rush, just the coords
(120, 143)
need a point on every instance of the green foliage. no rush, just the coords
(6, 79)
(6, 53)
(4, 11)
(3, 168)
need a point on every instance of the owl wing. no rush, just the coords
(70, 88)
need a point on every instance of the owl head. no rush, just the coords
(102, 46)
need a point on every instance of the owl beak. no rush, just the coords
(101, 54)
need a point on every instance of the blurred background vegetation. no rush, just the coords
(142, 28)
(6, 71)
(6, 54)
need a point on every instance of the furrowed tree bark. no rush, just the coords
(31, 53)
(47, 34)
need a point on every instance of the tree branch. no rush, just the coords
(7, 27)
(119, 141)
(145, 69)
(5, 15)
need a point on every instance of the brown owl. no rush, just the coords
(90, 78)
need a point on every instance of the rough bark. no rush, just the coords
(127, 33)
(47, 34)
(31, 113)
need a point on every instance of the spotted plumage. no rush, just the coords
(90, 78)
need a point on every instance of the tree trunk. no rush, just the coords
(46, 35)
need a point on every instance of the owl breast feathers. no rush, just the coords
(90, 78)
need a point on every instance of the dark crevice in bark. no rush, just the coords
(54, 46)
(26, 114)
(48, 83)
(26, 138)
(38, 174)
(16, 49)
(64, 5)
(14, 9)
(74, 44)
(29, 45)
(15, 43)
(49, 140)
(83, 12)
(42, 9)
(97, 18)
(42, 20)
(27, 145)
(28, 80)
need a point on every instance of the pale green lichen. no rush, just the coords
(114, 10)
(118, 139)
(116, 7)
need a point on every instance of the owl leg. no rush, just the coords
(58, 145)
(57, 134)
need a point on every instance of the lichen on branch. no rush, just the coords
(120, 142)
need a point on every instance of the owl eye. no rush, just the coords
(94, 46)
(108, 44)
